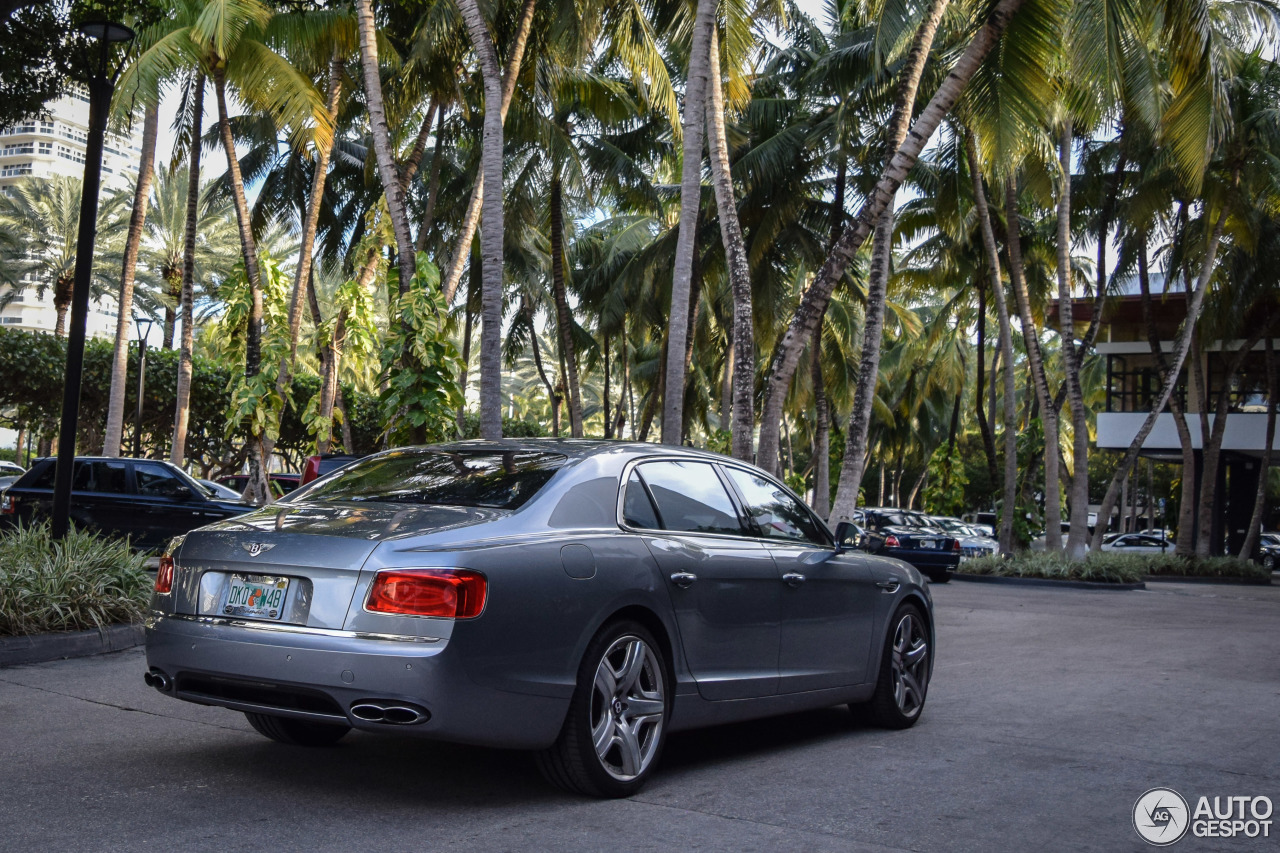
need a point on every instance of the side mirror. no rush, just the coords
(846, 536)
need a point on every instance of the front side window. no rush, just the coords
(481, 478)
(157, 481)
(776, 514)
(690, 497)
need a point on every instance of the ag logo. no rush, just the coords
(1161, 817)
(256, 548)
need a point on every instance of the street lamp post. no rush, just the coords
(144, 330)
(101, 86)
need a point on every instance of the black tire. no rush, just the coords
(297, 732)
(888, 708)
(1269, 562)
(572, 763)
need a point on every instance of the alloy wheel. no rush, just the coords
(627, 708)
(909, 664)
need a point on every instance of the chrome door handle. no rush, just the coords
(889, 586)
(793, 578)
(683, 579)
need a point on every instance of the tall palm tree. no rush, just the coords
(124, 300)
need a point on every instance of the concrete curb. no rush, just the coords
(1047, 582)
(38, 648)
(1206, 579)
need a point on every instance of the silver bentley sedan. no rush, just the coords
(578, 598)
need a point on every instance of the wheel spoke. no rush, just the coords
(606, 683)
(915, 656)
(602, 735)
(644, 708)
(910, 692)
(632, 666)
(629, 749)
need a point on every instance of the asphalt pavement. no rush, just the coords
(1050, 712)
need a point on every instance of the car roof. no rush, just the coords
(574, 448)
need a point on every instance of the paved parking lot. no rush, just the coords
(1051, 711)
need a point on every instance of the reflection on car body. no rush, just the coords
(577, 598)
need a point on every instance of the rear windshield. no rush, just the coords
(497, 480)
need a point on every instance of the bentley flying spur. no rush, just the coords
(581, 599)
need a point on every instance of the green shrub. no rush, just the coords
(1109, 567)
(84, 581)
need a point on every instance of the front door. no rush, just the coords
(724, 585)
(828, 599)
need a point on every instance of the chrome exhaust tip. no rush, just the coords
(389, 713)
(157, 679)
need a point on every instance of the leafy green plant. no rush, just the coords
(81, 582)
(420, 363)
(1108, 567)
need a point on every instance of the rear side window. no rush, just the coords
(100, 476)
(497, 480)
(637, 509)
(690, 497)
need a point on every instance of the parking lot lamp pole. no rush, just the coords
(144, 330)
(101, 86)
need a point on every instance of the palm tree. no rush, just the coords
(124, 301)
(45, 214)
(818, 294)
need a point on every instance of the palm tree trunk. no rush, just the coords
(182, 405)
(735, 252)
(310, 223)
(818, 294)
(564, 318)
(124, 315)
(62, 292)
(471, 219)
(1181, 346)
(414, 160)
(492, 234)
(822, 433)
(984, 426)
(257, 491)
(1078, 536)
(433, 187)
(329, 384)
(855, 455)
(385, 157)
(693, 122)
(467, 326)
(1185, 545)
(1260, 497)
(552, 397)
(726, 382)
(1010, 484)
(1031, 340)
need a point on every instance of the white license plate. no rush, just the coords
(256, 596)
(928, 543)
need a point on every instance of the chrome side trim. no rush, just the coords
(299, 629)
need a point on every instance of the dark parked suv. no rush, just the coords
(911, 537)
(147, 500)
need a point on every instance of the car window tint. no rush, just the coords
(690, 497)
(776, 514)
(637, 509)
(100, 476)
(481, 478)
(157, 481)
(42, 479)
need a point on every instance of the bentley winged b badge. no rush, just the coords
(256, 548)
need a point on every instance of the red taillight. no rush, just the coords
(892, 541)
(450, 593)
(310, 471)
(8, 505)
(955, 544)
(164, 574)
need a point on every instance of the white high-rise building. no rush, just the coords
(54, 144)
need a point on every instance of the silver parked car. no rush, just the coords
(578, 598)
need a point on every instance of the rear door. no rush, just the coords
(100, 496)
(724, 586)
(828, 599)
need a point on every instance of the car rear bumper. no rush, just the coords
(320, 675)
(926, 560)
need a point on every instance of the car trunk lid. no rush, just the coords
(311, 553)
